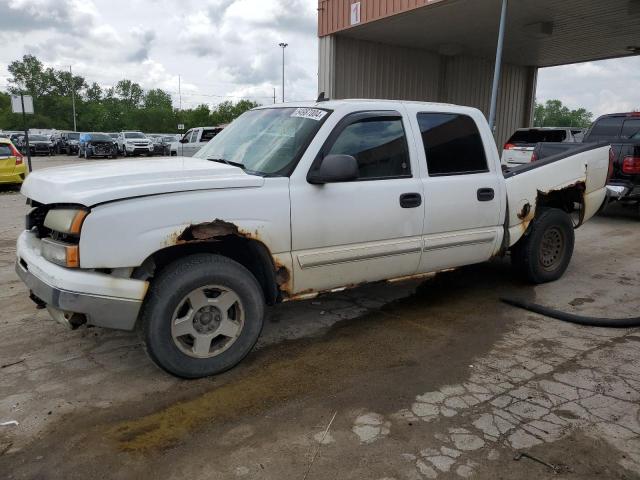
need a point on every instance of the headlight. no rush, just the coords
(61, 253)
(65, 220)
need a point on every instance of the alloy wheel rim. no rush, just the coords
(207, 321)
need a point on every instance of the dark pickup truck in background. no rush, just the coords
(622, 132)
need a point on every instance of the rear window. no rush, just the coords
(631, 129)
(537, 136)
(5, 150)
(605, 129)
(452, 144)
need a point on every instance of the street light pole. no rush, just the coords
(283, 45)
(73, 99)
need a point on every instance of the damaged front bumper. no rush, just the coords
(74, 296)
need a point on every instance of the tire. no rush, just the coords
(169, 300)
(545, 252)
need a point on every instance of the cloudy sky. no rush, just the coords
(227, 49)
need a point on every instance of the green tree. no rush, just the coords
(554, 114)
(124, 106)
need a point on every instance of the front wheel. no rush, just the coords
(544, 254)
(203, 315)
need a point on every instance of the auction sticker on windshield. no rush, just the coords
(310, 113)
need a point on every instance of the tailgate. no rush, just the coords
(7, 165)
(585, 168)
(518, 155)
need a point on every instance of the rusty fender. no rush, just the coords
(219, 230)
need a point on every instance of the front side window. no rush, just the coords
(452, 144)
(379, 145)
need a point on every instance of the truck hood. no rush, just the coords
(93, 183)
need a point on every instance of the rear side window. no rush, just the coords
(605, 129)
(5, 150)
(631, 129)
(452, 144)
(537, 136)
(209, 134)
(378, 144)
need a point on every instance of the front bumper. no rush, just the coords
(104, 300)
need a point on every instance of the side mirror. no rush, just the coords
(184, 140)
(334, 169)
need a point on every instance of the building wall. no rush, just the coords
(335, 15)
(350, 68)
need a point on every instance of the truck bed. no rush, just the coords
(578, 175)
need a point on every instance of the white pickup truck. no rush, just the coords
(193, 140)
(286, 202)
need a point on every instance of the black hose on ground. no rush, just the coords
(573, 318)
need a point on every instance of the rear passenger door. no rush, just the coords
(464, 194)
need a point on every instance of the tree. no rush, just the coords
(124, 106)
(554, 114)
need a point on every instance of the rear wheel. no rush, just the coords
(544, 254)
(203, 315)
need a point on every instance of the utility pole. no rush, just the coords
(73, 99)
(283, 45)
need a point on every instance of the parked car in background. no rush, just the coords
(162, 144)
(69, 142)
(96, 144)
(622, 132)
(12, 165)
(191, 252)
(520, 145)
(39, 145)
(114, 139)
(134, 143)
(194, 140)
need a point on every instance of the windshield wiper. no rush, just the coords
(228, 162)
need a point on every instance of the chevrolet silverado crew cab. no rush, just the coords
(286, 202)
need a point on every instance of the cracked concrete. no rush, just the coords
(429, 380)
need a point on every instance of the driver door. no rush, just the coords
(347, 233)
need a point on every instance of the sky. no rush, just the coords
(228, 49)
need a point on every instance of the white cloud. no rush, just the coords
(608, 86)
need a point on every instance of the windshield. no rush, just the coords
(99, 137)
(113, 135)
(266, 141)
(73, 136)
(168, 139)
(38, 138)
(134, 135)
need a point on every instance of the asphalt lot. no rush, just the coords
(423, 380)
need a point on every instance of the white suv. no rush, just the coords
(134, 143)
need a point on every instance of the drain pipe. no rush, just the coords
(497, 69)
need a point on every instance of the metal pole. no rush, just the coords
(26, 133)
(274, 95)
(496, 72)
(179, 94)
(283, 45)
(73, 99)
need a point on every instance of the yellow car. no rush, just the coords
(12, 164)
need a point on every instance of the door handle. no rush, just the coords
(486, 194)
(410, 200)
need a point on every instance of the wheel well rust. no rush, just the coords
(227, 239)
